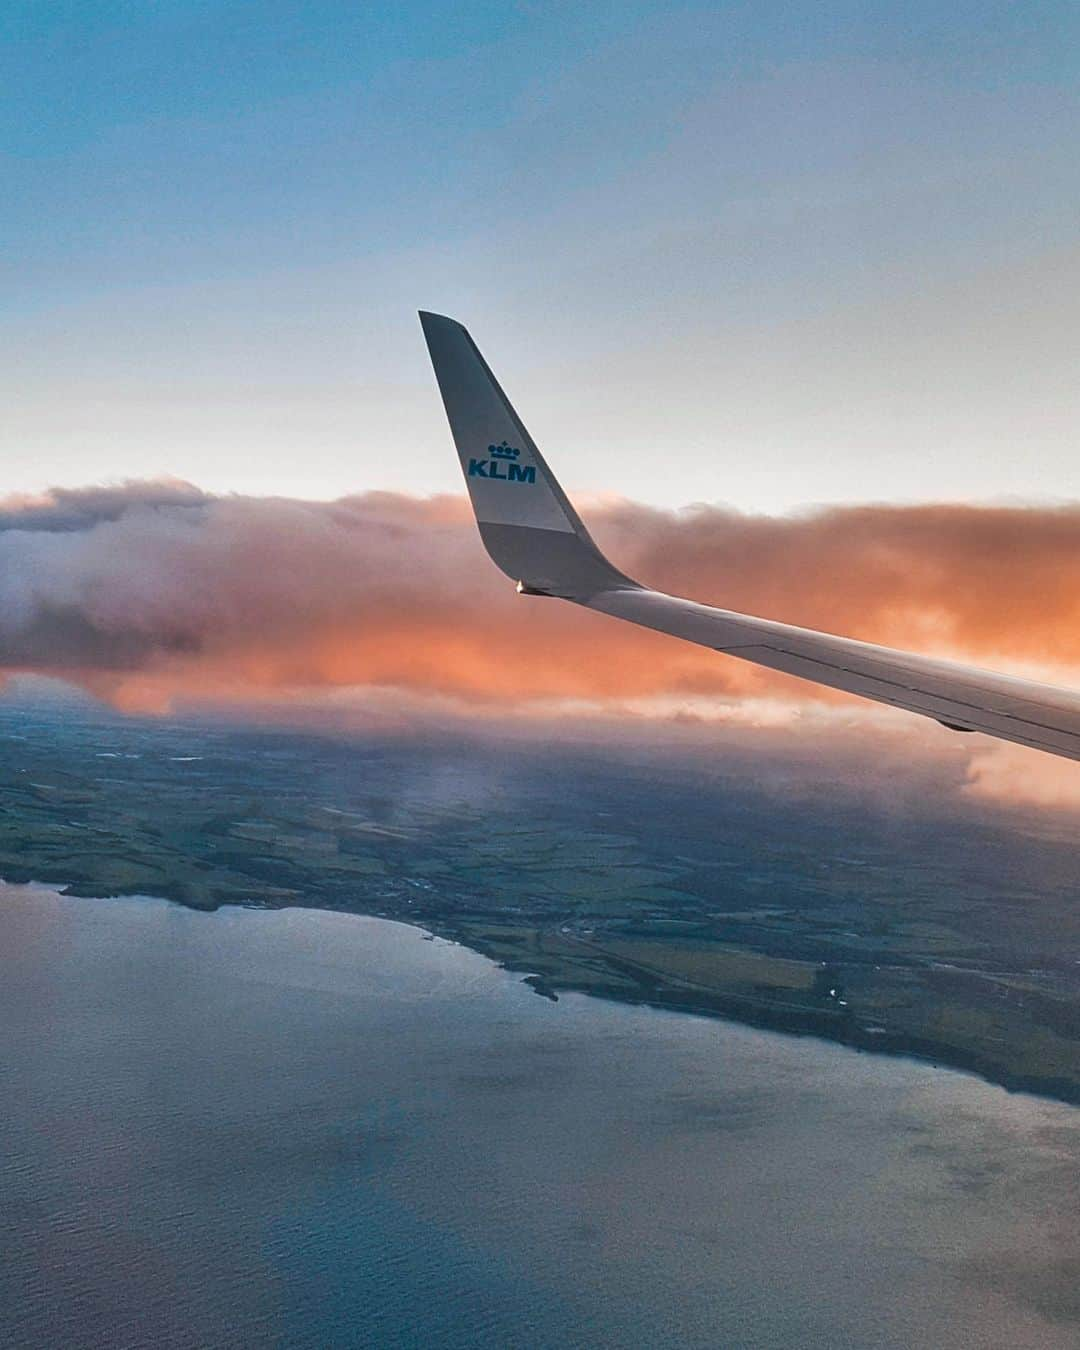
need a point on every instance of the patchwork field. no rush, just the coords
(664, 880)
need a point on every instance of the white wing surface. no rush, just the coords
(535, 536)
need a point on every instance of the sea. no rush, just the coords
(311, 1129)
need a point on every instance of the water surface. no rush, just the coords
(311, 1129)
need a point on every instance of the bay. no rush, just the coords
(301, 1128)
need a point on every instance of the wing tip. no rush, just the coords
(429, 319)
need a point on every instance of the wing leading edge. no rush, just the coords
(535, 536)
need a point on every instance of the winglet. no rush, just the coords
(525, 519)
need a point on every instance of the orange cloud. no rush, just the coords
(149, 593)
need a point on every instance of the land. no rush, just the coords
(916, 922)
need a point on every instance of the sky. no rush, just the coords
(768, 255)
(788, 293)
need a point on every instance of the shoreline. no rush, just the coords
(838, 1026)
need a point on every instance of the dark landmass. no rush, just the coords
(903, 920)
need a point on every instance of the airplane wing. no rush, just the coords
(537, 538)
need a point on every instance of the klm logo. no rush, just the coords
(502, 463)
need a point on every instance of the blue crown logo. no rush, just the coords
(503, 451)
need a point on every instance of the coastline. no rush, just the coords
(638, 987)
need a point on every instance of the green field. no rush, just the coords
(666, 882)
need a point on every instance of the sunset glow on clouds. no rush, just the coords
(154, 594)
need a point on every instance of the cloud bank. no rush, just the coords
(152, 593)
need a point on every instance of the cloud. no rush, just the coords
(1000, 772)
(153, 594)
(62, 509)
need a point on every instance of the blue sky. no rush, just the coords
(762, 253)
